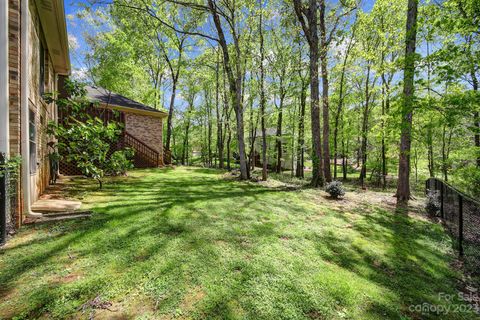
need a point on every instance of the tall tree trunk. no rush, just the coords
(235, 88)
(344, 157)
(403, 186)
(229, 153)
(185, 143)
(279, 142)
(431, 163)
(325, 87)
(170, 113)
(253, 136)
(385, 108)
(476, 120)
(220, 116)
(384, 147)
(340, 105)
(262, 101)
(317, 170)
(301, 131)
(366, 111)
(210, 157)
(310, 28)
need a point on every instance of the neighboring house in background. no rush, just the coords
(143, 127)
(271, 134)
(33, 53)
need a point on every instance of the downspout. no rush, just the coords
(25, 147)
(4, 94)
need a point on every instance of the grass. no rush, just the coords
(187, 243)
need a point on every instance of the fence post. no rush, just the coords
(460, 225)
(441, 200)
(4, 199)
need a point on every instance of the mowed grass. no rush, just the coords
(187, 243)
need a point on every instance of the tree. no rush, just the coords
(403, 186)
(86, 141)
(307, 16)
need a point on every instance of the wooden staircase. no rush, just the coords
(145, 156)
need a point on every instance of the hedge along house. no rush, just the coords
(33, 53)
(142, 127)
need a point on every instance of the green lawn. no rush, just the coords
(188, 243)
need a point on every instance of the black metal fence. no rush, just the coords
(461, 216)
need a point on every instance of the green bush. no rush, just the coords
(335, 189)
(85, 140)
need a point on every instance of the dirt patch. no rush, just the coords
(193, 296)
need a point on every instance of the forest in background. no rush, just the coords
(329, 87)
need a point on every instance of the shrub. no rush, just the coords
(86, 140)
(432, 203)
(335, 189)
(120, 162)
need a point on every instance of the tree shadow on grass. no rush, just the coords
(144, 218)
(398, 253)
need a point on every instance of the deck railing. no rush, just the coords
(145, 156)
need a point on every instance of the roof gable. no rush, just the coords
(111, 99)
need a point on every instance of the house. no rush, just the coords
(34, 59)
(33, 53)
(271, 134)
(142, 127)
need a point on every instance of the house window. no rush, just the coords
(42, 70)
(32, 134)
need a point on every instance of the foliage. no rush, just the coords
(85, 140)
(335, 189)
(11, 166)
(139, 54)
(120, 162)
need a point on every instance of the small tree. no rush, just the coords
(85, 140)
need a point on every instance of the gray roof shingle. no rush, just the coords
(99, 94)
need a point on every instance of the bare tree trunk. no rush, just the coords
(476, 120)
(185, 143)
(310, 28)
(366, 111)
(431, 163)
(403, 186)
(325, 102)
(262, 102)
(235, 87)
(446, 142)
(340, 105)
(170, 114)
(279, 129)
(301, 131)
(229, 141)
(344, 158)
(220, 116)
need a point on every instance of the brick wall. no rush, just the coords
(43, 112)
(14, 71)
(148, 129)
(14, 49)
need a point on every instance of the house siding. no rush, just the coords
(14, 70)
(148, 129)
(43, 112)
